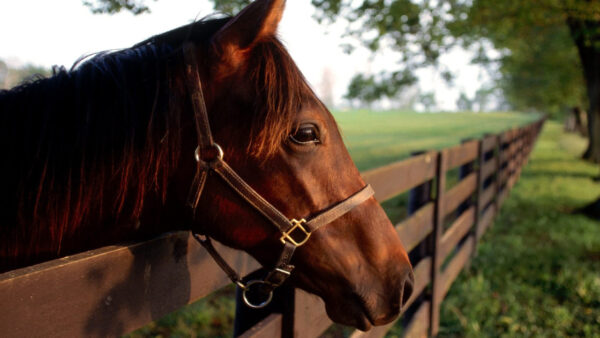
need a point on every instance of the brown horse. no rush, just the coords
(105, 153)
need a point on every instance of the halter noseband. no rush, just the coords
(294, 233)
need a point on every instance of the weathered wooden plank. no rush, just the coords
(487, 196)
(488, 168)
(396, 178)
(310, 317)
(489, 143)
(512, 179)
(458, 194)
(419, 324)
(503, 138)
(415, 228)
(502, 195)
(454, 267)
(506, 155)
(268, 327)
(113, 290)
(503, 176)
(461, 154)
(455, 233)
(486, 220)
(438, 229)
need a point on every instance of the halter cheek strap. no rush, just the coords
(294, 233)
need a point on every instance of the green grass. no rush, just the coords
(378, 138)
(537, 270)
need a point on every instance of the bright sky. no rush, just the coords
(42, 32)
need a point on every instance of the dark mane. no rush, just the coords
(90, 145)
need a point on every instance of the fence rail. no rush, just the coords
(116, 289)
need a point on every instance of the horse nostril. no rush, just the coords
(407, 288)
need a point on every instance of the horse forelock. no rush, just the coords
(280, 91)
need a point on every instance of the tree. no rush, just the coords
(428, 101)
(550, 49)
(464, 103)
(371, 88)
(424, 30)
(12, 76)
(115, 6)
(545, 47)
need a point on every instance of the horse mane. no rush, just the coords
(84, 148)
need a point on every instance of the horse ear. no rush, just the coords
(257, 21)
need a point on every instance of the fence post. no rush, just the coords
(480, 183)
(438, 229)
(498, 174)
(417, 198)
(463, 172)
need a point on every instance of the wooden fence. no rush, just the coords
(117, 289)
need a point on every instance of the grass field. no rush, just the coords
(537, 272)
(378, 138)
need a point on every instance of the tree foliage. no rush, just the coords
(370, 88)
(549, 50)
(114, 6)
(13, 76)
(539, 67)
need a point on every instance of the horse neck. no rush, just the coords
(87, 150)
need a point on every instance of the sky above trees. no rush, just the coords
(59, 34)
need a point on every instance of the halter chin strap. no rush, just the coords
(294, 233)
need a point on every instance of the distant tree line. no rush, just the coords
(12, 76)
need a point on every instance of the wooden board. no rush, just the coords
(268, 327)
(396, 178)
(415, 228)
(459, 155)
(488, 168)
(455, 233)
(455, 266)
(113, 290)
(486, 220)
(487, 196)
(419, 324)
(502, 195)
(489, 143)
(458, 194)
(310, 317)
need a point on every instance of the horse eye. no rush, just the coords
(305, 134)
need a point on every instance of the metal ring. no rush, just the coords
(261, 304)
(220, 153)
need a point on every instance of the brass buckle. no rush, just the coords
(296, 225)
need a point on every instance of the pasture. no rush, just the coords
(213, 315)
(537, 269)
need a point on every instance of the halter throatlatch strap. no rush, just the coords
(294, 233)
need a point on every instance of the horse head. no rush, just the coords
(284, 143)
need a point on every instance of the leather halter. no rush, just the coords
(294, 233)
